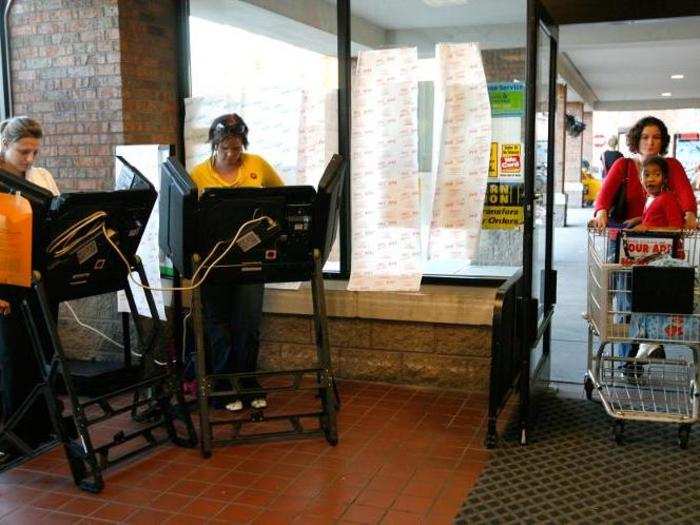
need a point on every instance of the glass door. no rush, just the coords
(539, 279)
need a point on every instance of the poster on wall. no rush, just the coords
(506, 160)
(461, 152)
(503, 206)
(510, 160)
(507, 99)
(385, 196)
(686, 150)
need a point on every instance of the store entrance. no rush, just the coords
(609, 104)
(539, 279)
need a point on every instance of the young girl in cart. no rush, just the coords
(662, 210)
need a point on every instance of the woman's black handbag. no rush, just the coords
(618, 211)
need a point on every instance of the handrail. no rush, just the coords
(505, 351)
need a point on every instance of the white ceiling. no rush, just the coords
(628, 63)
(610, 65)
(412, 14)
(621, 63)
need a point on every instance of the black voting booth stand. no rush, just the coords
(292, 246)
(39, 199)
(89, 267)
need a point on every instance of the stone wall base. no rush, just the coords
(408, 353)
(411, 353)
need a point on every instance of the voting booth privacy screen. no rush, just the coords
(279, 248)
(70, 248)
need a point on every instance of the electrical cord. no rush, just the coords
(91, 328)
(195, 283)
(68, 240)
(105, 336)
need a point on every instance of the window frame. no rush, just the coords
(343, 16)
(5, 71)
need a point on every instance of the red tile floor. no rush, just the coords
(405, 455)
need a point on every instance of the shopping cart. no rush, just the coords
(631, 388)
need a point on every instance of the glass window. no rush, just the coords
(436, 185)
(277, 68)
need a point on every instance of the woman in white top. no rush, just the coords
(20, 139)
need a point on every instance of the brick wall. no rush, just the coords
(149, 80)
(504, 65)
(574, 146)
(65, 64)
(588, 137)
(96, 74)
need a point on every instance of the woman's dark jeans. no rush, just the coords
(19, 374)
(232, 315)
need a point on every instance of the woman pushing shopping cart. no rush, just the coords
(642, 289)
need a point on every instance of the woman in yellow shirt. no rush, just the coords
(229, 166)
(232, 312)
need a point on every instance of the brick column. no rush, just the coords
(572, 159)
(95, 74)
(149, 64)
(588, 137)
(559, 138)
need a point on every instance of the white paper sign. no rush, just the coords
(462, 123)
(635, 250)
(386, 249)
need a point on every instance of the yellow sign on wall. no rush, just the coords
(502, 217)
(493, 160)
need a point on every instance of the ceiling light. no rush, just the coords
(666, 94)
(677, 77)
(444, 3)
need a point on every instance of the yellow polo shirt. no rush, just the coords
(254, 172)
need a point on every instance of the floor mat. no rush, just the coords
(572, 472)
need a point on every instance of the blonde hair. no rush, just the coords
(613, 142)
(18, 128)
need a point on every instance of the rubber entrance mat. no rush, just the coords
(572, 472)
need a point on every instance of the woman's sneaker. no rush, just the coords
(234, 406)
(258, 403)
